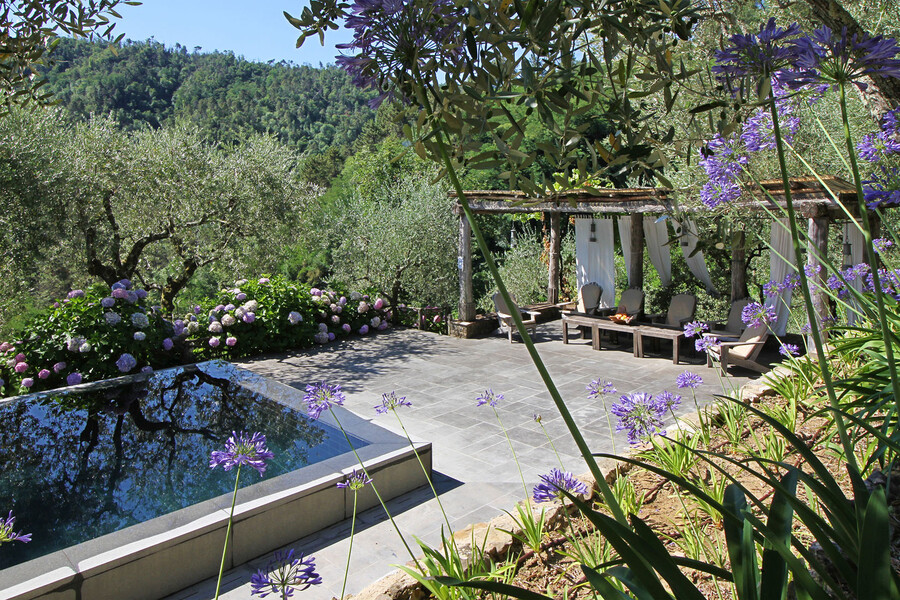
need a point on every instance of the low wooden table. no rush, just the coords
(662, 332)
(597, 324)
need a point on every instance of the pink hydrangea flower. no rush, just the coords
(59, 367)
(379, 304)
(231, 341)
(21, 367)
(20, 357)
(27, 382)
(43, 374)
(214, 342)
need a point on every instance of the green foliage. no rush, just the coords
(228, 98)
(78, 334)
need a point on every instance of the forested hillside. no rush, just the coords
(227, 97)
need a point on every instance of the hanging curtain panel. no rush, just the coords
(583, 255)
(696, 263)
(606, 265)
(782, 261)
(625, 238)
(854, 237)
(656, 236)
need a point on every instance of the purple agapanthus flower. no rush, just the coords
(688, 380)
(597, 388)
(8, 535)
(771, 289)
(882, 244)
(553, 484)
(392, 38)
(758, 131)
(322, 396)
(356, 481)
(789, 350)
(757, 54)
(489, 397)
(667, 401)
(791, 281)
(756, 314)
(391, 402)
(883, 188)
(241, 450)
(695, 328)
(285, 574)
(706, 343)
(723, 166)
(640, 415)
(826, 57)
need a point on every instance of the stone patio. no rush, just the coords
(474, 470)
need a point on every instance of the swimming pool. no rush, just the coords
(112, 480)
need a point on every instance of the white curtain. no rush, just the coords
(594, 261)
(696, 263)
(625, 239)
(656, 236)
(854, 237)
(782, 261)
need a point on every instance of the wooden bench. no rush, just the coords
(658, 331)
(597, 324)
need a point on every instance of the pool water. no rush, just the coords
(78, 465)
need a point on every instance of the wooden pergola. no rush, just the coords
(811, 200)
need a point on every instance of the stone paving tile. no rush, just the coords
(475, 474)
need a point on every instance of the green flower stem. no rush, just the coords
(552, 445)
(425, 471)
(804, 289)
(594, 468)
(513, 450)
(612, 434)
(237, 478)
(375, 489)
(871, 255)
(350, 549)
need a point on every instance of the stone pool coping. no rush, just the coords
(170, 552)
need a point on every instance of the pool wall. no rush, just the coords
(151, 560)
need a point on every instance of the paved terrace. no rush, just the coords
(474, 470)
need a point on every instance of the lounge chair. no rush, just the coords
(504, 316)
(734, 325)
(588, 300)
(631, 304)
(741, 352)
(681, 310)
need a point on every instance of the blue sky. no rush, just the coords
(255, 30)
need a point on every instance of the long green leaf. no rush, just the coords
(603, 587)
(739, 540)
(876, 580)
(773, 582)
(494, 586)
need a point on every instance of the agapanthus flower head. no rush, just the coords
(667, 401)
(828, 57)
(882, 244)
(322, 396)
(759, 54)
(705, 343)
(392, 39)
(789, 350)
(812, 270)
(695, 328)
(883, 189)
(723, 165)
(688, 380)
(597, 388)
(284, 574)
(488, 397)
(555, 483)
(8, 535)
(640, 415)
(391, 402)
(242, 450)
(537, 418)
(791, 281)
(757, 314)
(356, 481)
(758, 131)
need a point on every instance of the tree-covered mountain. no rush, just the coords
(227, 97)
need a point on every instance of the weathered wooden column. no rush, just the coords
(816, 274)
(553, 269)
(738, 266)
(464, 265)
(636, 271)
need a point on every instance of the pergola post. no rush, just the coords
(553, 276)
(464, 264)
(636, 270)
(738, 266)
(818, 251)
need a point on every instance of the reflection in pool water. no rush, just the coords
(74, 466)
